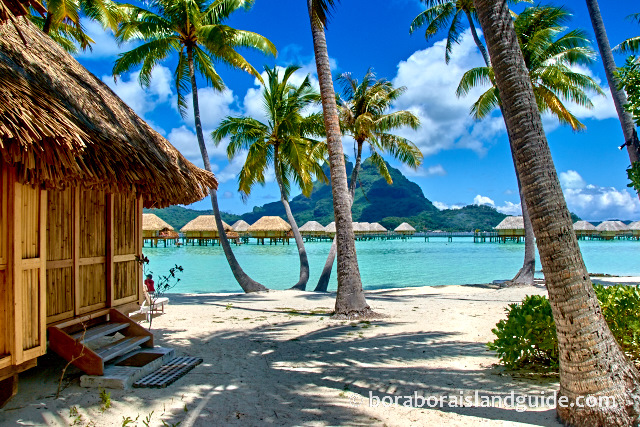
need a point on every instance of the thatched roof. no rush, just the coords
(270, 223)
(312, 226)
(377, 228)
(584, 226)
(152, 222)
(511, 223)
(405, 228)
(612, 226)
(204, 223)
(331, 227)
(634, 225)
(61, 125)
(240, 226)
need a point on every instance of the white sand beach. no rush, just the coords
(277, 358)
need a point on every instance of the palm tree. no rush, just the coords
(285, 139)
(447, 13)
(618, 95)
(350, 300)
(591, 362)
(195, 30)
(630, 45)
(61, 20)
(363, 115)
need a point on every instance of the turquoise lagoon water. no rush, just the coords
(383, 264)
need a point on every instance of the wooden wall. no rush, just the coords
(5, 291)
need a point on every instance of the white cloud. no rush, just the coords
(442, 206)
(105, 45)
(214, 106)
(593, 202)
(483, 200)
(143, 99)
(431, 86)
(436, 170)
(510, 208)
(227, 195)
(186, 141)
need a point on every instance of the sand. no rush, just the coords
(277, 358)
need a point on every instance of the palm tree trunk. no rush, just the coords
(304, 261)
(47, 23)
(350, 299)
(526, 273)
(246, 283)
(591, 362)
(323, 282)
(618, 95)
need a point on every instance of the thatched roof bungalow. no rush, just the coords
(405, 229)
(511, 227)
(241, 227)
(610, 229)
(204, 227)
(377, 228)
(152, 225)
(76, 167)
(312, 228)
(634, 227)
(330, 229)
(584, 228)
(272, 227)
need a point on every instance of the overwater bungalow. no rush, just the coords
(241, 227)
(155, 229)
(312, 230)
(273, 228)
(609, 230)
(584, 229)
(634, 227)
(330, 229)
(203, 230)
(405, 229)
(511, 228)
(377, 228)
(77, 165)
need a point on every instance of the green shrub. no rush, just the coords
(527, 337)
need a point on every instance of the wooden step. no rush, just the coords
(98, 331)
(120, 347)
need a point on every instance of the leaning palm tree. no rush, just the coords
(350, 300)
(195, 30)
(592, 365)
(285, 140)
(439, 15)
(632, 44)
(62, 20)
(363, 110)
(618, 95)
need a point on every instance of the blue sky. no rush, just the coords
(465, 161)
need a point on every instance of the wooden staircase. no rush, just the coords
(91, 341)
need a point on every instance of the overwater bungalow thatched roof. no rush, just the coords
(511, 223)
(152, 222)
(377, 228)
(240, 226)
(204, 223)
(61, 125)
(634, 226)
(617, 226)
(312, 227)
(584, 226)
(331, 227)
(404, 228)
(270, 223)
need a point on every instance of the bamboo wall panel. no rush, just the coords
(59, 225)
(5, 343)
(126, 279)
(4, 194)
(125, 224)
(30, 289)
(60, 291)
(92, 285)
(93, 226)
(30, 221)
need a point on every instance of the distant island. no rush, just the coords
(376, 201)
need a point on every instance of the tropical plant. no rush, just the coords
(285, 140)
(591, 363)
(363, 111)
(195, 30)
(629, 81)
(619, 98)
(447, 13)
(632, 44)
(350, 300)
(62, 20)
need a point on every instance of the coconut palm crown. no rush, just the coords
(630, 45)
(363, 108)
(549, 55)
